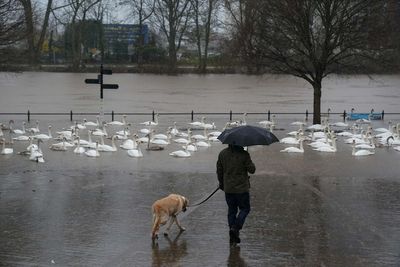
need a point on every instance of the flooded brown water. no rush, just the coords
(310, 209)
(62, 92)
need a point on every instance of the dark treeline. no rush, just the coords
(309, 39)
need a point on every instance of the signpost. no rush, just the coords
(99, 80)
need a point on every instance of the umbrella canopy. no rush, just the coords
(247, 136)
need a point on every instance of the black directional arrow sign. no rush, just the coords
(96, 81)
(99, 80)
(109, 86)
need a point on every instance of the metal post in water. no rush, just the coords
(344, 115)
(71, 115)
(153, 115)
(383, 114)
(29, 115)
(306, 114)
(230, 115)
(192, 115)
(269, 115)
(112, 115)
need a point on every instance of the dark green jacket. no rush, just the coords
(233, 166)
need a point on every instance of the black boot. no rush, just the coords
(234, 235)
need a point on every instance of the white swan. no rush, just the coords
(293, 149)
(317, 127)
(34, 129)
(135, 153)
(6, 150)
(160, 142)
(79, 126)
(329, 149)
(162, 136)
(192, 147)
(79, 149)
(290, 140)
(151, 123)
(89, 143)
(210, 126)
(199, 137)
(203, 143)
(106, 148)
(371, 145)
(18, 131)
(91, 123)
(362, 152)
(184, 140)
(174, 130)
(118, 123)
(340, 124)
(180, 153)
(60, 146)
(299, 123)
(129, 143)
(36, 153)
(65, 133)
(31, 145)
(44, 136)
(217, 133)
(21, 138)
(123, 134)
(197, 124)
(93, 152)
(145, 131)
(241, 122)
(100, 132)
(266, 123)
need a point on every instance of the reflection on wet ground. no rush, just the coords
(310, 209)
(307, 210)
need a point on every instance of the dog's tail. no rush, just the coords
(156, 222)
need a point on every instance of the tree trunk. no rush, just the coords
(172, 51)
(30, 34)
(43, 31)
(317, 102)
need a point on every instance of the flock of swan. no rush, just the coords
(363, 138)
(323, 138)
(98, 134)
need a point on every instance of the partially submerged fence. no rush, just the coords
(192, 114)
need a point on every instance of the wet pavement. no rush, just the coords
(310, 209)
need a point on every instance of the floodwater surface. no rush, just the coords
(311, 209)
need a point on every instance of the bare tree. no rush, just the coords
(75, 12)
(172, 16)
(141, 10)
(204, 18)
(34, 40)
(11, 27)
(243, 23)
(311, 39)
(11, 22)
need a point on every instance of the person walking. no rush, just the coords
(233, 167)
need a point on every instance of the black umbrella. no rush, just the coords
(247, 136)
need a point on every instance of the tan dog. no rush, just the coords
(167, 209)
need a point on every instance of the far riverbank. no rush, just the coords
(124, 68)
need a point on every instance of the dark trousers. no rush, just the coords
(237, 202)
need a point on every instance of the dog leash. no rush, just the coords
(197, 204)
